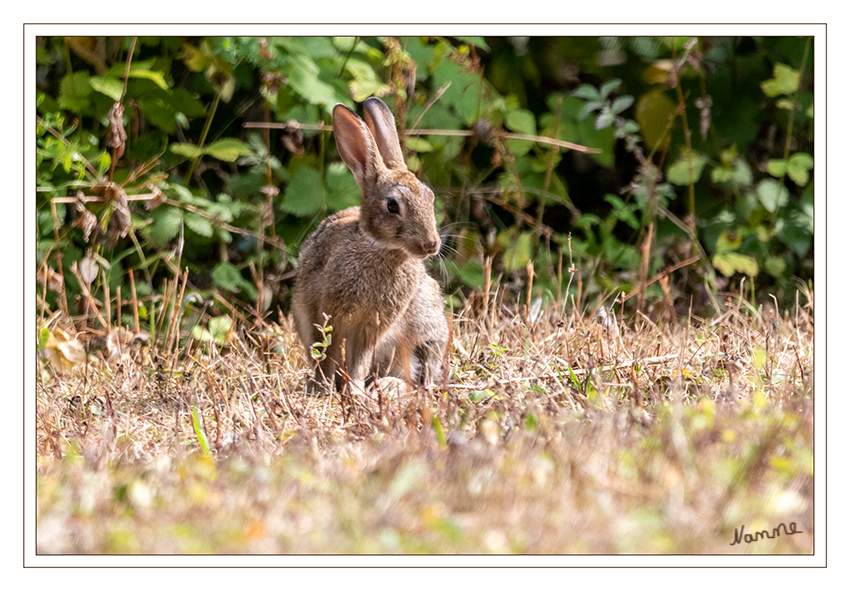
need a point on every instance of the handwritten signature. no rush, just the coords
(750, 538)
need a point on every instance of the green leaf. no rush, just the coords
(605, 118)
(476, 41)
(622, 103)
(438, 428)
(728, 242)
(794, 233)
(775, 266)
(340, 189)
(303, 77)
(471, 273)
(588, 108)
(653, 113)
(574, 378)
(365, 82)
(609, 87)
(199, 225)
(227, 276)
(183, 101)
(228, 149)
(156, 108)
(303, 195)
(155, 77)
(729, 263)
(777, 168)
(220, 328)
(166, 224)
(771, 194)
(315, 47)
(199, 333)
(738, 173)
(111, 87)
(517, 249)
(478, 395)
(74, 91)
(188, 150)
(183, 193)
(418, 144)
(587, 92)
(679, 171)
(521, 121)
(195, 58)
(463, 95)
(202, 438)
(43, 337)
(799, 166)
(729, 155)
(785, 80)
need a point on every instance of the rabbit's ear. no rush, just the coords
(380, 120)
(354, 142)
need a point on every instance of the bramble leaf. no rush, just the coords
(303, 195)
(228, 149)
(785, 80)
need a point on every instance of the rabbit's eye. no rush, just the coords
(392, 205)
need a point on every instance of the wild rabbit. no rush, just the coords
(364, 266)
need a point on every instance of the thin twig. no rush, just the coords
(87, 294)
(446, 132)
(661, 274)
(127, 69)
(102, 199)
(430, 103)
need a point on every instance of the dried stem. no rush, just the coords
(445, 132)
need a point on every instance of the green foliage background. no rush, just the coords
(703, 145)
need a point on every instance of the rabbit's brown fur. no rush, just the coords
(363, 266)
(416, 345)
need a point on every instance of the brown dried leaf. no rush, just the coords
(55, 281)
(267, 213)
(86, 220)
(63, 351)
(158, 197)
(116, 137)
(140, 339)
(293, 138)
(272, 81)
(483, 131)
(84, 305)
(694, 58)
(89, 268)
(270, 190)
(119, 223)
(264, 48)
(116, 344)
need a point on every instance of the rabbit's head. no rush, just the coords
(396, 210)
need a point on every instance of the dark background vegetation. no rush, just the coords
(702, 164)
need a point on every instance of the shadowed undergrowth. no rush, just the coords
(555, 433)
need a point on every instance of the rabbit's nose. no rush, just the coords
(431, 246)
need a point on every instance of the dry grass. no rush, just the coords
(555, 434)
